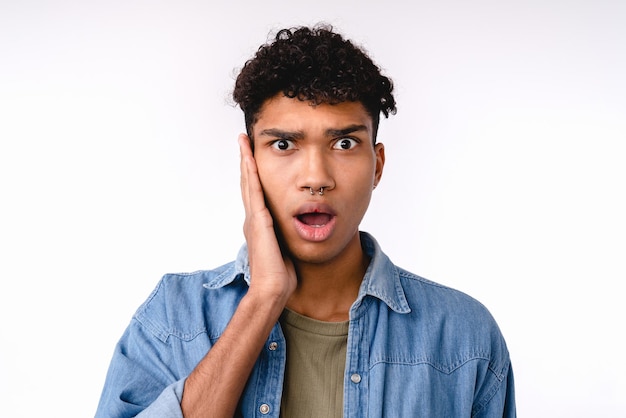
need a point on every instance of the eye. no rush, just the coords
(283, 144)
(345, 143)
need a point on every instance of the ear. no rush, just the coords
(379, 149)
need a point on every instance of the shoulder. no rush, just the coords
(187, 304)
(429, 296)
(453, 323)
(434, 299)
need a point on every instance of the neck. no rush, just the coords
(327, 291)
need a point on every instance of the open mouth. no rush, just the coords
(315, 222)
(315, 219)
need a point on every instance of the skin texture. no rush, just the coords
(312, 264)
(328, 259)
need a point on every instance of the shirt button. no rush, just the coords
(273, 346)
(265, 409)
(356, 378)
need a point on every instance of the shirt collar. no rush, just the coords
(381, 280)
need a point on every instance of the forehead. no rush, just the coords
(291, 114)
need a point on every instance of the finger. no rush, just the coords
(244, 146)
(251, 184)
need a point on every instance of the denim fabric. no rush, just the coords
(415, 348)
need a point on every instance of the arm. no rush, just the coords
(223, 372)
(502, 403)
(136, 385)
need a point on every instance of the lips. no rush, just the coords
(315, 222)
(315, 219)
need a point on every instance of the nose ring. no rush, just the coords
(320, 191)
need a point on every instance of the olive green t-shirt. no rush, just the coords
(316, 359)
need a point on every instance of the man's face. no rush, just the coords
(299, 147)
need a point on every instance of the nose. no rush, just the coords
(316, 173)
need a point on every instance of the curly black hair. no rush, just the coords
(313, 64)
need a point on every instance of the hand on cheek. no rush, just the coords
(271, 273)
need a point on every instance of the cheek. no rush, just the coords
(273, 169)
(361, 178)
(267, 172)
(357, 190)
(274, 184)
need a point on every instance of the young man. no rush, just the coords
(311, 319)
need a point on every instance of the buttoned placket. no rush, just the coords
(270, 368)
(355, 380)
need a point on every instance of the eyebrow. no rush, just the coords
(293, 135)
(345, 131)
(279, 133)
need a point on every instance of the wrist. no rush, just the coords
(262, 301)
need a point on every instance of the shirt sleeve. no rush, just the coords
(139, 381)
(502, 404)
(167, 405)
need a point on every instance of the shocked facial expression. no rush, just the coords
(318, 166)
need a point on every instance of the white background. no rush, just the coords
(505, 175)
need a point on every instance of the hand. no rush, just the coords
(271, 272)
(221, 375)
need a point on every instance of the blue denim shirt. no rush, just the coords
(415, 348)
